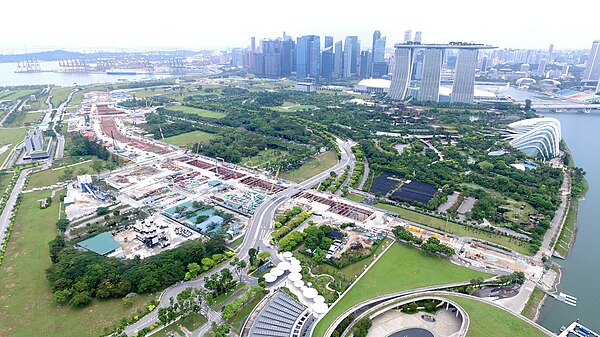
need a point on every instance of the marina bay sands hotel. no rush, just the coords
(463, 87)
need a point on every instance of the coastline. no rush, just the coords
(564, 240)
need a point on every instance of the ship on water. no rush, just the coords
(127, 72)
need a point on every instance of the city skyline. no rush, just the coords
(216, 26)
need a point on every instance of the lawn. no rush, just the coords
(355, 197)
(185, 139)
(59, 95)
(5, 177)
(196, 111)
(487, 320)
(312, 167)
(190, 322)
(50, 177)
(10, 136)
(27, 118)
(531, 308)
(26, 304)
(295, 108)
(9, 95)
(238, 320)
(457, 229)
(236, 243)
(400, 268)
(264, 158)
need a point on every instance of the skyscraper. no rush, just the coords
(379, 50)
(592, 68)
(351, 56)
(338, 60)
(431, 75)
(463, 88)
(347, 65)
(365, 65)
(407, 35)
(418, 37)
(541, 70)
(287, 49)
(328, 41)
(376, 36)
(327, 62)
(271, 50)
(253, 44)
(308, 57)
(402, 73)
(550, 50)
(378, 64)
(484, 64)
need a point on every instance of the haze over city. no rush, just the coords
(114, 25)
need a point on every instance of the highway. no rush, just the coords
(12, 199)
(256, 236)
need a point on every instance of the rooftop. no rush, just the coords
(102, 244)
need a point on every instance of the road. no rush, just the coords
(256, 236)
(558, 220)
(60, 139)
(12, 199)
(17, 105)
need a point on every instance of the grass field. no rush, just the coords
(456, 229)
(10, 136)
(9, 95)
(264, 157)
(185, 139)
(355, 197)
(25, 300)
(50, 177)
(190, 322)
(563, 244)
(294, 108)
(78, 96)
(239, 319)
(5, 178)
(531, 308)
(196, 111)
(26, 118)
(487, 320)
(59, 95)
(312, 167)
(401, 268)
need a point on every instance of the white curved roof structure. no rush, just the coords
(375, 83)
(538, 137)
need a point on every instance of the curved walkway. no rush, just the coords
(416, 295)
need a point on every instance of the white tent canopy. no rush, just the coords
(270, 278)
(319, 299)
(295, 268)
(299, 284)
(284, 265)
(276, 271)
(310, 293)
(295, 277)
(320, 308)
(287, 255)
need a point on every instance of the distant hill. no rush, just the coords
(56, 55)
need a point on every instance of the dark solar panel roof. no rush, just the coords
(383, 183)
(415, 191)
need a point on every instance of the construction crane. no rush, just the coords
(161, 133)
(114, 142)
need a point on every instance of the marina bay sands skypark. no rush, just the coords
(463, 87)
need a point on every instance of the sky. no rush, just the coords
(36, 25)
